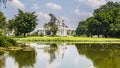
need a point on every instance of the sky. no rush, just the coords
(71, 11)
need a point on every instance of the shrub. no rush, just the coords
(2, 41)
(13, 42)
(6, 41)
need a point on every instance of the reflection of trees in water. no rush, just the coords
(24, 58)
(2, 59)
(51, 50)
(103, 56)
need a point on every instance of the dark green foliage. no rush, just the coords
(24, 58)
(6, 41)
(25, 22)
(105, 22)
(50, 27)
(94, 26)
(2, 21)
(11, 25)
(108, 7)
(13, 42)
(53, 18)
(3, 24)
(81, 29)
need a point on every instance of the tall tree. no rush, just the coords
(108, 15)
(94, 26)
(47, 28)
(25, 22)
(50, 27)
(82, 28)
(3, 23)
(2, 20)
(54, 29)
(105, 21)
(107, 7)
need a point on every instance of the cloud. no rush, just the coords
(42, 15)
(42, 18)
(93, 3)
(66, 19)
(54, 6)
(53, 65)
(82, 13)
(114, 0)
(35, 7)
(17, 4)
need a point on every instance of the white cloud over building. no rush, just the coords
(53, 6)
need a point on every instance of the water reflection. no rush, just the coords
(2, 59)
(63, 56)
(103, 56)
(51, 50)
(24, 58)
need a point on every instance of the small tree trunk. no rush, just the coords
(98, 35)
(24, 34)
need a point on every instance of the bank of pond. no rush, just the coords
(7, 43)
(68, 40)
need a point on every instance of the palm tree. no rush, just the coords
(54, 29)
(51, 29)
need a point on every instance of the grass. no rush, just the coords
(68, 40)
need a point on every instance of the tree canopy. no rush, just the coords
(3, 23)
(50, 27)
(24, 22)
(105, 21)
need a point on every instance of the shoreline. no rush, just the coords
(83, 40)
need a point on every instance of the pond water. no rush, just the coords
(63, 56)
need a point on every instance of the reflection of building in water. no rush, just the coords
(61, 50)
(55, 51)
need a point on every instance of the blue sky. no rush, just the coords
(71, 11)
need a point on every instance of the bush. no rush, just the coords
(3, 42)
(13, 42)
(6, 41)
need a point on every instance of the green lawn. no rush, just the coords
(69, 39)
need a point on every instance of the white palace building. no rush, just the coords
(62, 31)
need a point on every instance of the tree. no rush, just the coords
(107, 7)
(50, 27)
(54, 29)
(81, 29)
(47, 28)
(3, 23)
(93, 26)
(105, 21)
(11, 24)
(108, 15)
(25, 22)
(53, 19)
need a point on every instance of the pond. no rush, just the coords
(63, 56)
